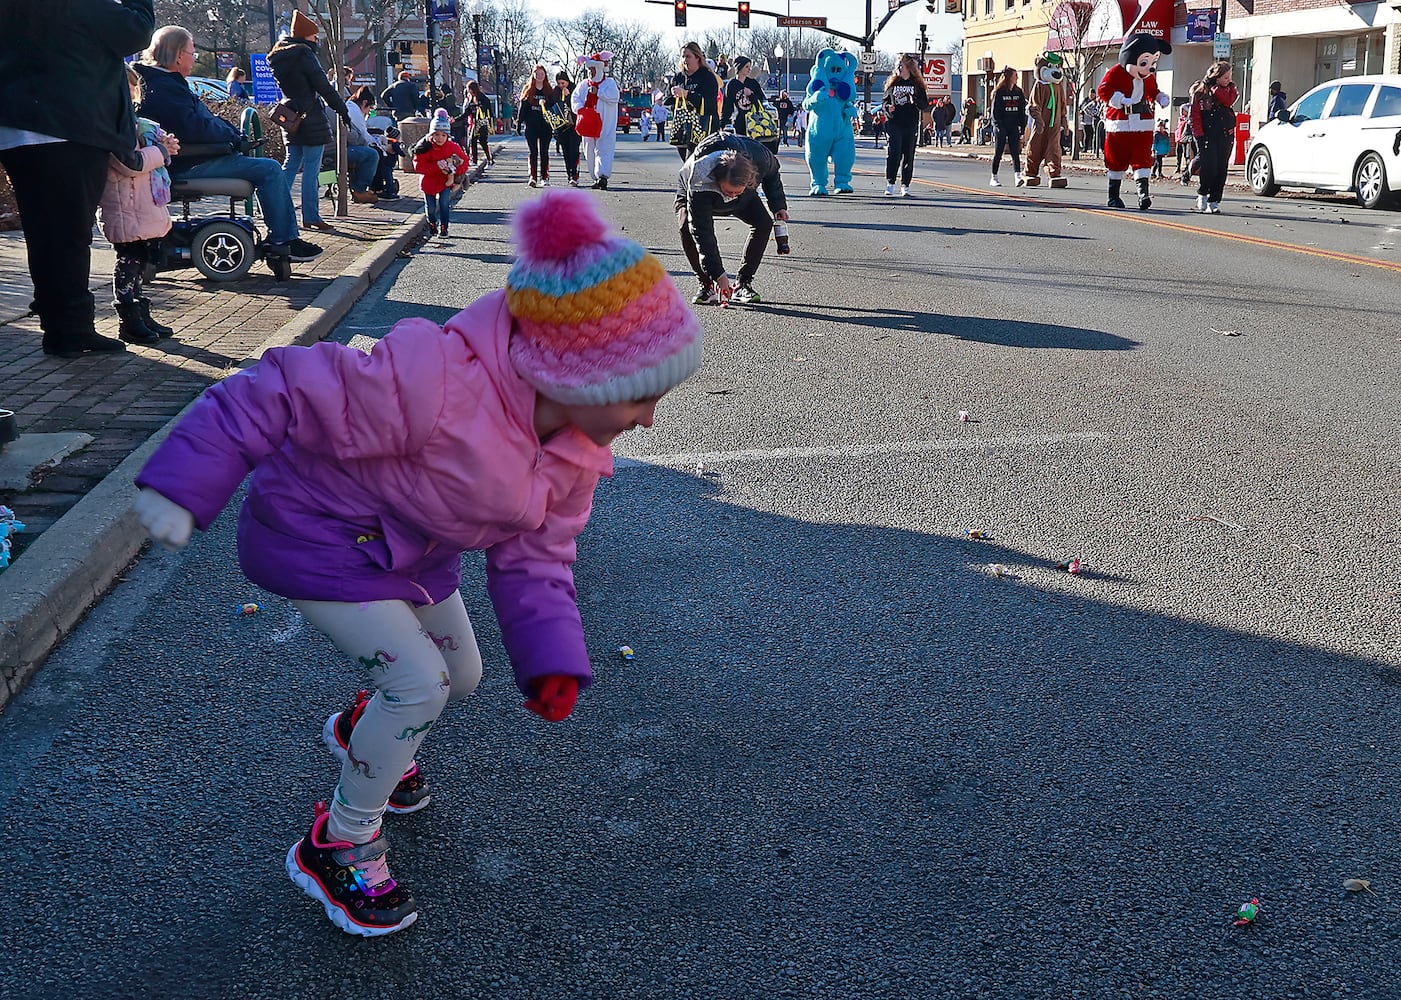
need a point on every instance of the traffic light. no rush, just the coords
(744, 15)
(680, 6)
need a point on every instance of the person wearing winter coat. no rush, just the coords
(442, 164)
(298, 72)
(1214, 127)
(402, 97)
(65, 109)
(1009, 115)
(373, 474)
(133, 213)
(905, 101)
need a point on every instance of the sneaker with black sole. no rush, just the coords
(412, 792)
(351, 881)
(708, 295)
(745, 293)
(303, 252)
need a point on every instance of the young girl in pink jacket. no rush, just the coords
(132, 212)
(372, 474)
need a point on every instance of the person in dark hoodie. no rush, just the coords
(721, 178)
(905, 101)
(55, 142)
(1009, 115)
(210, 146)
(298, 72)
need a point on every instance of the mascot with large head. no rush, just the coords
(831, 108)
(1048, 121)
(1129, 90)
(595, 104)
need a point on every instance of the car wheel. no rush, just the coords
(223, 251)
(1262, 174)
(1370, 181)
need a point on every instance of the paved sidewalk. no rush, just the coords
(112, 410)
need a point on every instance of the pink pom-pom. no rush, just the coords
(555, 225)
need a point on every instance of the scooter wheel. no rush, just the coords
(281, 267)
(222, 250)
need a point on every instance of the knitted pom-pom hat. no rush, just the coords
(442, 121)
(598, 319)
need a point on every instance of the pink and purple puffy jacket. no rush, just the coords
(372, 474)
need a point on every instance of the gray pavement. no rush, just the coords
(850, 760)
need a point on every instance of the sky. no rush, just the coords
(900, 34)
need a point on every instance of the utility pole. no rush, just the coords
(923, 47)
(869, 43)
(428, 33)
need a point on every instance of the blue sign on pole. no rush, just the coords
(445, 10)
(265, 88)
(1201, 25)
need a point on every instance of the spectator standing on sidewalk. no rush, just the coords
(133, 212)
(402, 97)
(166, 98)
(56, 142)
(1214, 126)
(1186, 144)
(372, 475)
(1162, 145)
(722, 178)
(943, 115)
(970, 121)
(904, 102)
(1278, 100)
(298, 72)
(1009, 117)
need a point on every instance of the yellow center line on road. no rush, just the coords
(1124, 216)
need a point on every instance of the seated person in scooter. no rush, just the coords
(167, 99)
(362, 149)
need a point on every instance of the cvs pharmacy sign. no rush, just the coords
(938, 74)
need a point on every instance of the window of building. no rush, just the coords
(987, 8)
(1011, 4)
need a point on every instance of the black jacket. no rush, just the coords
(61, 70)
(403, 98)
(703, 206)
(1009, 109)
(168, 100)
(702, 94)
(740, 95)
(904, 101)
(531, 114)
(303, 81)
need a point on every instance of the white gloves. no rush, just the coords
(165, 521)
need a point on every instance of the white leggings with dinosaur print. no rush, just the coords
(418, 658)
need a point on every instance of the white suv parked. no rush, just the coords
(1344, 135)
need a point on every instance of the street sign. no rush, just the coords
(1221, 46)
(867, 60)
(801, 22)
(938, 74)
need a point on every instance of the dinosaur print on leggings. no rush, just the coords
(381, 660)
(410, 732)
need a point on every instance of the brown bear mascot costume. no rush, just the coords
(1048, 121)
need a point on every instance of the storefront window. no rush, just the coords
(1349, 55)
(1242, 66)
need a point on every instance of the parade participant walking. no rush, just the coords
(568, 138)
(133, 212)
(372, 475)
(55, 144)
(905, 101)
(1214, 128)
(536, 97)
(1129, 91)
(785, 108)
(595, 105)
(442, 164)
(696, 88)
(741, 95)
(482, 116)
(721, 179)
(295, 66)
(1009, 117)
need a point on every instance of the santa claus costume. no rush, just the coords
(595, 104)
(1129, 91)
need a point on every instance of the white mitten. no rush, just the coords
(165, 521)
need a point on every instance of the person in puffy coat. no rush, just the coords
(133, 212)
(298, 72)
(372, 474)
(442, 164)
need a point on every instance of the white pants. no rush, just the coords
(598, 154)
(417, 658)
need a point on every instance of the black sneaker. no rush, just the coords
(351, 881)
(707, 296)
(746, 294)
(301, 251)
(412, 792)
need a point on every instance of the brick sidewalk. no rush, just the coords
(121, 400)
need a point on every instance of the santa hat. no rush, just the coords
(1140, 44)
(598, 319)
(303, 26)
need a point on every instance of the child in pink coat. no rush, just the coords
(443, 165)
(373, 474)
(133, 212)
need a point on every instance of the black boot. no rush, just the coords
(133, 328)
(160, 328)
(1114, 200)
(600, 185)
(1143, 200)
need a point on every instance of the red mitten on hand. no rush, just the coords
(555, 696)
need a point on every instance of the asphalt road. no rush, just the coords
(850, 760)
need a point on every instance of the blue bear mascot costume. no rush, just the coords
(831, 108)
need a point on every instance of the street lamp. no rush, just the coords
(778, 54)
(475, 8)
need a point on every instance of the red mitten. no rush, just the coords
(555, 696)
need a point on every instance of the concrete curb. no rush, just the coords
(70, 566)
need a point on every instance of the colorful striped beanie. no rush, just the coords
(598, 319)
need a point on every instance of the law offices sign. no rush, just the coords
(1084, 25)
